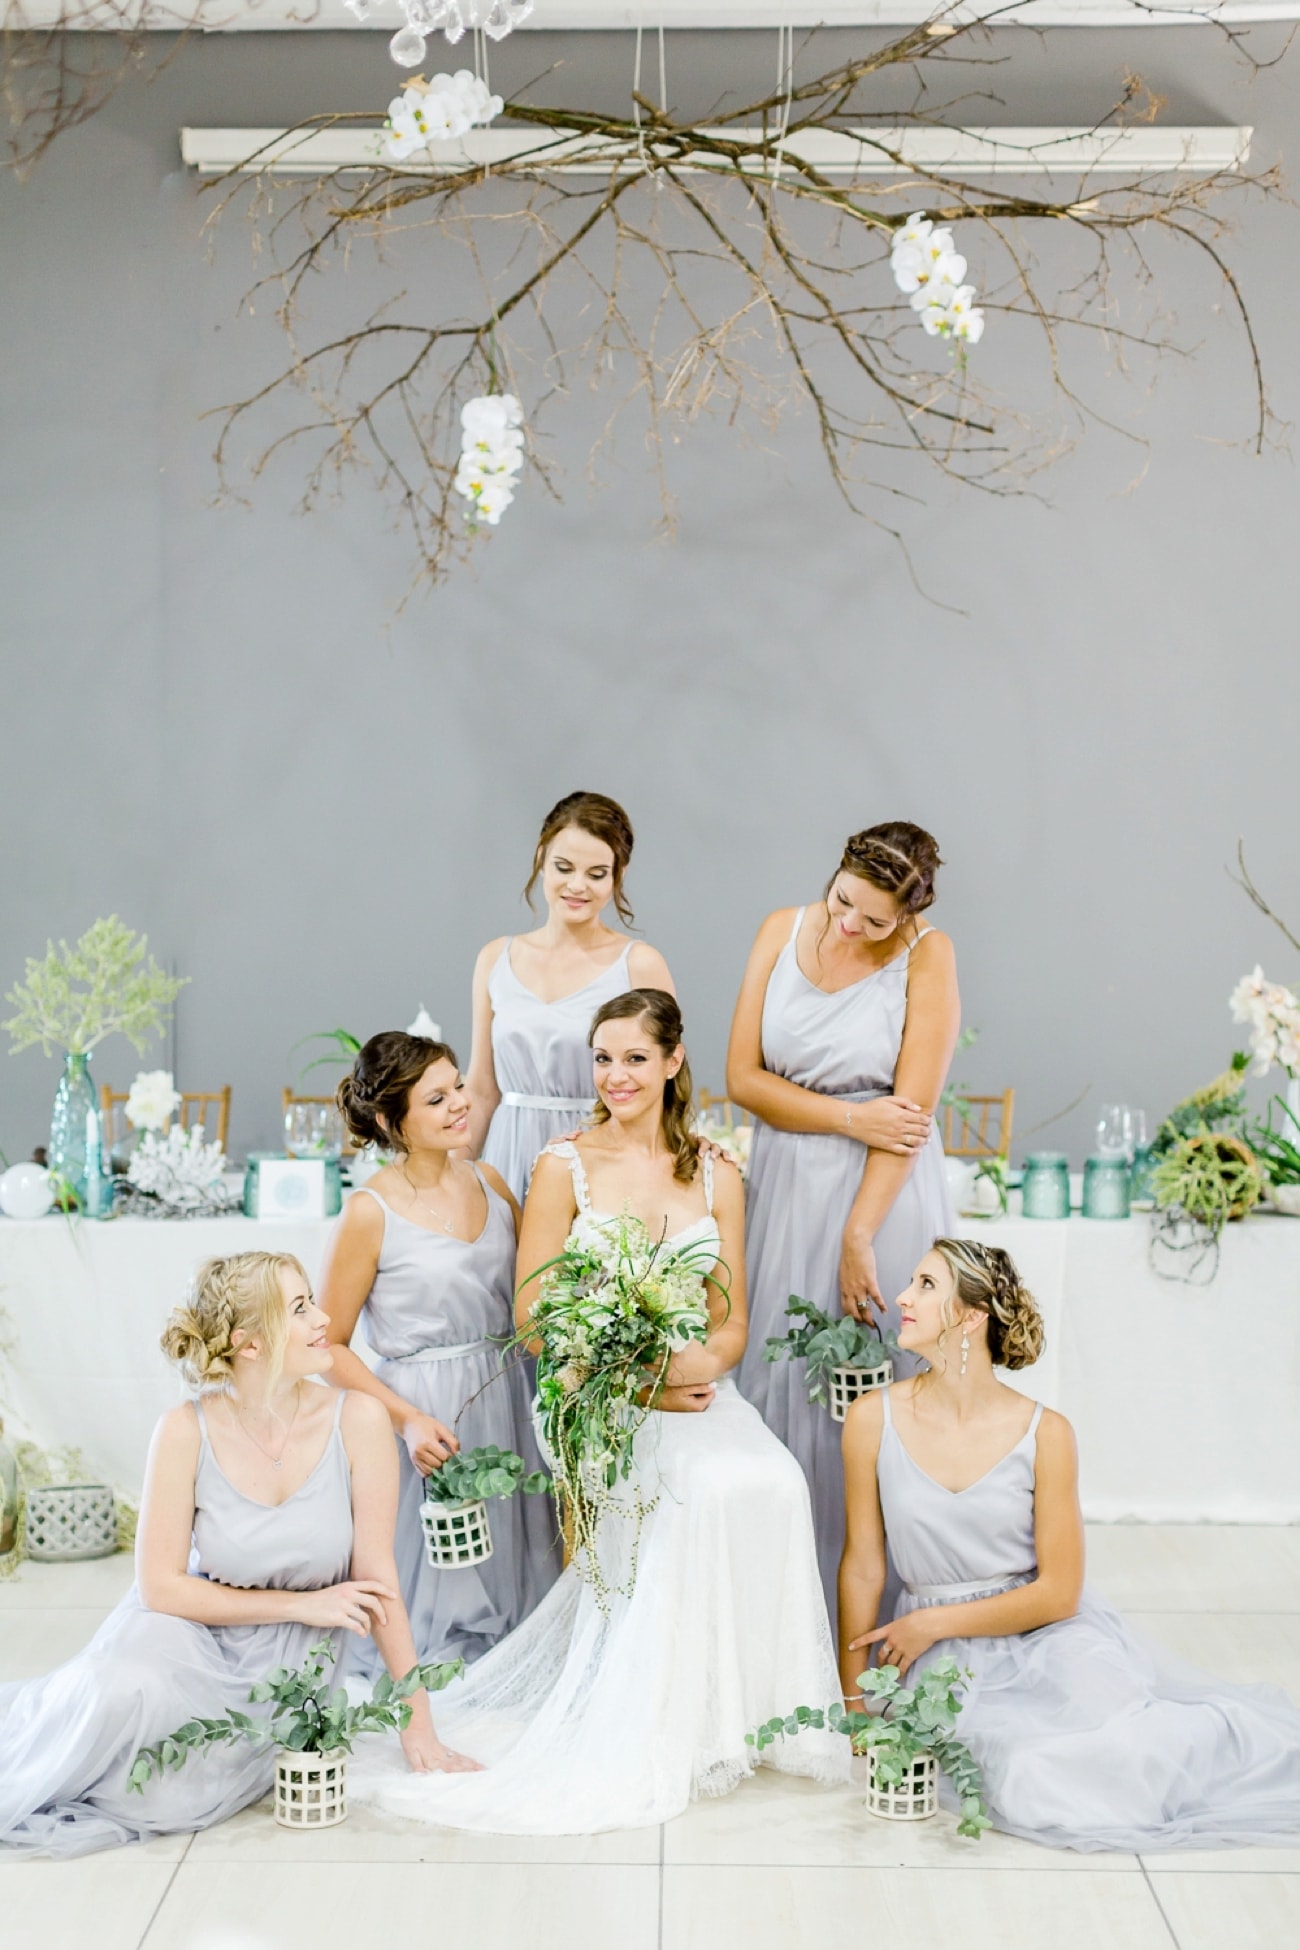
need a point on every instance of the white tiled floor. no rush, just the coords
(780, 1865)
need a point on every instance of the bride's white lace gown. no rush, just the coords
(589, 1719)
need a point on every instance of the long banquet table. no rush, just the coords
(1185, 1399)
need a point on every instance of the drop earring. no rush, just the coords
(965, 1350)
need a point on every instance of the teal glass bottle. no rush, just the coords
(1045, 1188)
(76, 1129)
(1105, 1188)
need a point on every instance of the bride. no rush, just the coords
(613, 1711)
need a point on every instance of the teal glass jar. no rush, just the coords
(1141, 1190)
(1106, 1188)
(76, 1130)
(1045, 1188)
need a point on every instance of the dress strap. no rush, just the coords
(370, 1192)
(342, 1394)
(708, 1182)
(568, 1150)
(1037, 1418)
(203, 1421)
(887, 1407)
(798, 923)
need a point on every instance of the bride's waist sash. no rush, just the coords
(961, 1594)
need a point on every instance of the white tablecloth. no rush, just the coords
(1184, 1399)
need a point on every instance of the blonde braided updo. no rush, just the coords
(985, 1279)
(240, 1296)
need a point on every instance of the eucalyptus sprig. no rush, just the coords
(104, 983)
(826, 1342)
(915, 1720)
(477, 1474)
(307, 1714)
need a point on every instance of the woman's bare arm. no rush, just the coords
(481, 1076)
(862, 1564)
(548, 1213)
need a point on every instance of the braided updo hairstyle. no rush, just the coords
(986, 1279)
(376, 1095)
(899, 858)
(663, 1022)
(239, 1295)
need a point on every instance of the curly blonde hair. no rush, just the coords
(239, 1295)
(985, 1279)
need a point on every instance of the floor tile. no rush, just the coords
(1196, 1567)
(99, 1581)
(349, 1906)
(1245, 1647)
(1232, 1912)
(1225, 1861)
(366, 1836)
(842, 1909)
(101, 1900)
(31, 1642)
(780, 1820)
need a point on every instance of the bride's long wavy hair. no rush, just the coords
(663, 1020)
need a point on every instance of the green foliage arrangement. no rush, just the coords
(477, 1474)
(1278, 1150)
(307, 1715)
(1211, 1176)
(1219, 1105)
(825, 1343)
(103, 984)
(343, 1048)
(915, 1720)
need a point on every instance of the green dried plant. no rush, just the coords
(105, 983)
(1210, 1175)
(1219, 1105)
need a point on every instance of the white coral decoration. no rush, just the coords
(492, 453)
(440, 110)
(180, 1170)
(151, 1100)
(929, 268)
(1274, 1015)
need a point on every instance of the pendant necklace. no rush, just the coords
(445, 1224)
(276, 1462)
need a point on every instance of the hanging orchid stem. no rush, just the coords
(774, 289)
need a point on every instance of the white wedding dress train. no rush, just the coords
(591, 1719)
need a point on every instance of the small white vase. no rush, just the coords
(67, 1521)
(311, 1789)
(846, 1384)
(1287, 1199)
(915, 1798)
(456, 1534)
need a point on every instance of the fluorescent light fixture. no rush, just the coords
(1143, 151)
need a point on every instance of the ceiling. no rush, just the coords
(243, 16)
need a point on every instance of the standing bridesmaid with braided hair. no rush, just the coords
(529, 1073)
(843, 1033)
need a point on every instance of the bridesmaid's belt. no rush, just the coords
(443, 1353)
(957, 1594)
(520, 1100)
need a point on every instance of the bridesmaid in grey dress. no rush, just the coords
(1087, 1736)
(237, 1573)
(423, 1258)
(535, 994)
(841, 1041)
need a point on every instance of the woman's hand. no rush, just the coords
(428, 1442)
(691, 1367)
(891, 1124)
(356, 1606)
(859, 1285)
(692, 1399)
(902, 1643)
(425, 1754)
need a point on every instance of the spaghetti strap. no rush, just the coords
(798, 923)
(338, 1411)
(370, 1192)
(1035, 1420)
(708, 1182)
(886, 1408)
(568, 1150)
(203, 1422)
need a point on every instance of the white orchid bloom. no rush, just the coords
(152, 1099)
(914, 231)
(492, 500)
(490, 416)
(408, 125)
(1247, 999)
(910, 264)
(478, 104)
(965, 319)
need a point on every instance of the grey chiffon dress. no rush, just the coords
(438, 1316)
(543, 1065)
(1088, 1737)
(67, 1741)
(801, 1189)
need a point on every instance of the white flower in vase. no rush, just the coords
(152, 1099)
(1273, 1013)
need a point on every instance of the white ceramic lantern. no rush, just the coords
(311, 1789)
(846, 1384)
(456, 1534)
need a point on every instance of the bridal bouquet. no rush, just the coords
(613, 1309)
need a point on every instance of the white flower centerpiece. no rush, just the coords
(172, 1173)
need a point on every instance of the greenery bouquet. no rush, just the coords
(612, 1310)
(826, 1343)
(915, 1721)
(475, 1475)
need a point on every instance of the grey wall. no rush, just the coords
(215, 724)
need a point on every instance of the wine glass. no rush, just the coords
(1114, 1129)
(313, 1131)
